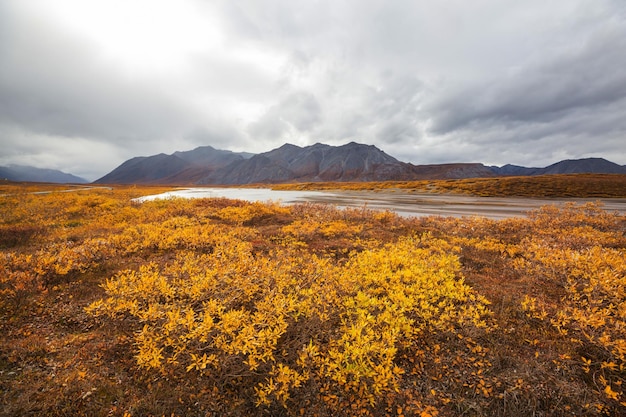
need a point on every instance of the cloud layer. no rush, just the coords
(87, 85)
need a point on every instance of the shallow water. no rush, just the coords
(400, 202)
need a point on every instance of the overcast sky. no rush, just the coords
(88, 84)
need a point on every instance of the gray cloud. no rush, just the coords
(52, 83)
(495, 81)
(589, 76)
(299, 112)
(569, 105)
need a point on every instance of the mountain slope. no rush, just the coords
(32, 174)
(451, 171)
(209, 156)
(178, 168)
(568, 166)
(319, 162)
(514, 170)
(584, 166)
(145, 170)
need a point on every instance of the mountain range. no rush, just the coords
(31, 174)
(206, 165)
(290, 163)
(568, 166)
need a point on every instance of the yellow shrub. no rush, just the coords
(573, 249)
(277, 315)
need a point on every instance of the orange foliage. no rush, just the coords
(226, 307)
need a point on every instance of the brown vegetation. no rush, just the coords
(562, 185)
(220, 307)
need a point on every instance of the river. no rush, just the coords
(400, 202)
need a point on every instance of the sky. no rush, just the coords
(88, 84)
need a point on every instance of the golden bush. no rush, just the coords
(285, 320)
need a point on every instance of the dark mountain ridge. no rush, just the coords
(319, 162)
(179, 168)
(585, 166)
(32, 174)
(145, 169)
(208, 155)
(568, 166)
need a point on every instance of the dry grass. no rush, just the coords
(569, 185)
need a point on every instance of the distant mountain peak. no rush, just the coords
(181, 167)
(319, 145)
(592, 165)
(26, 173)
(288, 146)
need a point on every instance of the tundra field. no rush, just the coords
(216, 307)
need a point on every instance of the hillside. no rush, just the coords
(451, 171)
(145, 170)
(568, 166)
(584, 166)
(319, 162)
(179, 168)
(32, 174)
(555, 185)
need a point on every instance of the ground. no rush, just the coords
(222, 307)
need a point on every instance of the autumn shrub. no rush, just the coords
(578, 226)
(17, 282)
(330, 230)
(397, 298)
(250, 214)
(174, 233)
(561, 185)
(308, 229)
(581, 250)
(285, 321)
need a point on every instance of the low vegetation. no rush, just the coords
(568, 185)
(211, 307)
